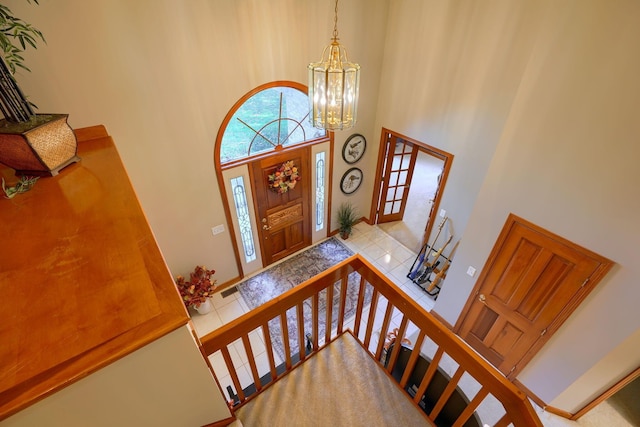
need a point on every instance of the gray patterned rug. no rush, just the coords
(284, 276)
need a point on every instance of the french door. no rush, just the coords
(399, 162)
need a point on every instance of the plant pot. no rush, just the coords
(204, 308)
(344, 235)
(39, 147)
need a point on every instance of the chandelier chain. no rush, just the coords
(335, 23)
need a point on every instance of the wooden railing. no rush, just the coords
(371, 332)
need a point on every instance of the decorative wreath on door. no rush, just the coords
(284, 178)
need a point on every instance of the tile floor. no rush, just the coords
(394, 260)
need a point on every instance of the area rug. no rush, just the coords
(278, 279)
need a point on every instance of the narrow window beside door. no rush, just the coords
(242, 211)
(319, 191)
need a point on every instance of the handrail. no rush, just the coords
(518, 409)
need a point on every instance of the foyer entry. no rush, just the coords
(266, 129)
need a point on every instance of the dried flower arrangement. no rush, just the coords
(199, 287)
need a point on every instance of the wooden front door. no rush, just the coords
(283, 218)
(532, 282)
(400, 160)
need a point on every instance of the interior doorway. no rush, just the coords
(411, 180)
(410, 228)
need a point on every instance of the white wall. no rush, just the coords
(537, 100)
(166, 383)
(161, 75)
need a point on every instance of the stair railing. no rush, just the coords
(373, 290)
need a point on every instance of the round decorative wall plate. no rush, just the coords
(353, 148)
(351, 180)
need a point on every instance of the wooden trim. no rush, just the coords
(558, 412)
(441, 320)
(375, 201)
(541, 403)
(92, 132)
(222, 423)
(130, 268)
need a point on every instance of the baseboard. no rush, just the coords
(559, 412)
(540, 402)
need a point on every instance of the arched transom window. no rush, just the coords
(273, 116)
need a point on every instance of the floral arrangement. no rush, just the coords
(284, 178)
(199, 287)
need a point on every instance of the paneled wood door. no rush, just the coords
(532, 282)
(283, 219)
(399, 163)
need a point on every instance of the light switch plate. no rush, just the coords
(471, 271)
(217, 229)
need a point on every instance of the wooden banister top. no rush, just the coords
(82, 280)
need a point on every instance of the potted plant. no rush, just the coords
(32, 144)
(347, 217)
(197, 291)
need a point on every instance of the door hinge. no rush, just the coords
(513, 369)
(544, 331)
(585, 282)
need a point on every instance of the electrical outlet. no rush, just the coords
(443, 213)
(217, 229)
(471, 271)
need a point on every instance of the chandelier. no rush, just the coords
(333, 87)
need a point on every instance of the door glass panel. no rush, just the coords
(391, 193)
(403, 177)
(406, 161)
(396, 207)
(397, 161)
(399, 193)
(393, 179)
(387, 208)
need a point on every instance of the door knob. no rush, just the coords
(482, 299)
(264, 220)
(266, 227)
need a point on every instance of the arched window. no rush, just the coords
(274, 115)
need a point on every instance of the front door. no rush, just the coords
(532, 281)
(283, 217)
(399, 163)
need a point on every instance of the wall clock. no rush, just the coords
(351, 180)
(353, 148)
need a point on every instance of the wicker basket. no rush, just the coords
(43, 149)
